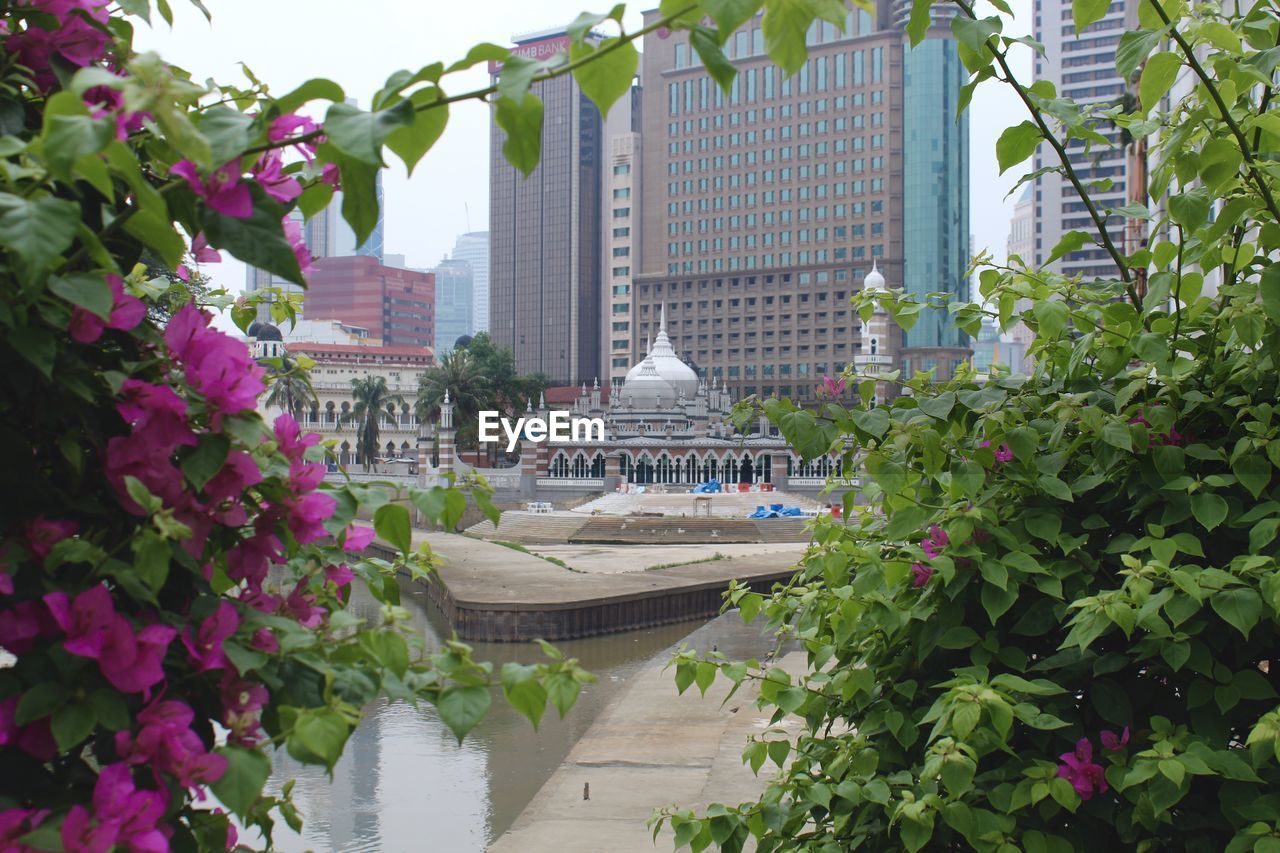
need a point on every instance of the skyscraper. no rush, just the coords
(473, 247)
(1082, 68)
(454, 283)
(765, 208)
(544, 275)
(396, 305)
(620, 223)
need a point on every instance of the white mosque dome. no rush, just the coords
(667, 365)
(645, 389)
(874, 280)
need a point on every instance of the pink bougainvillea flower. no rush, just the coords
(6, 582)
(290, 124)
(205, 644)
(293, 443)
(134, 662)
(301, 605)
(126, 313)
(270, 175)
(242, 703)
(1113, 742)
(237, 474)
(340, 575)
(250, 558)
(293, 233)
(331, 175)
(15, 823)
(935, 541)
(157, 412)
(1004, 453)
(306, 476)
(23, 624)
(307, 515)
(166, 743)
(35, 738)
(920, 574)
(202, 252)
(832, 386)
(1079, 769)
(356, 538)
(40, 534)
(223, 191)
(265, 641)
(86, 621)
(72, 38)
(217, 365)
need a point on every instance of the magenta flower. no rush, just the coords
(237, 474)
(1079, 769)
(1113, 742)
(286, 126)
(920, 574)
(40, 534)
(86, 621)
(15, 823)
(250, 559)
(217, 365)
(202, 252)
(340, 575)
(301, 605)
(122, 816)
(935, 542)
(23, 624)
(205, 644)
(126, 313)
(832, 386)
(223, 191)
(1004, 453)
(293, 443)
(332, 176)
(242, 704)
(72, 38)
(265, 641)
(133, 662)
(166, 743)
(270, 175)
(293, 233)
(307, 515)
(356, 538)
(35, 738)
(156, 412)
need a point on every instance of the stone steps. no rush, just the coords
(530, 528)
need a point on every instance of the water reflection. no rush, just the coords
(403, 774)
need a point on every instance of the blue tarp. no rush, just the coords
(776, 511)
(709, 487)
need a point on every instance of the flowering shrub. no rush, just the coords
(1053, 624)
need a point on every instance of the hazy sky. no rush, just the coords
(360, 44)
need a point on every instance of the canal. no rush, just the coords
(405, 784)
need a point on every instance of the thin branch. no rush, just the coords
(1099, 222)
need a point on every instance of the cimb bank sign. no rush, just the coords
(558, 428)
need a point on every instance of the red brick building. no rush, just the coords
(394, 304)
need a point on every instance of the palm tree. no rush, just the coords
(291, 389)
(372, 397)
(458, 375)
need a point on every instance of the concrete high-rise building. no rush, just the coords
(765, 208)
(1022, 243)
(473, 247)
(395, 305)
(1082, 68)
(454, 282)
(544, 231)
(620, 222)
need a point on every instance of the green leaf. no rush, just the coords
(713, 58)
(974, 34)
(37, 230)
(206, 460)
(997, 601)
(391, 521)
(875, 422)
(524, 691)
(563, 690)
(1241, 607)
(1190, 209)
(39, 702)
(1157, 78)
(90, 292)
(1117, 435)
(609, 73)
(67, 138)
(462, 707)
(1253, 470)
(72, 723)
(241, 785)
(1209, 509)
(921, 18)
(316, 89)
(786, 24)
(228, 131)
(1134, 47)
(1072, 241)
(361, 134)
(731, 14)
(968, 476)
(1085, 12)
(412, 142)
(258, 240)
(455, 504)
(1051, 314)
(522, 122)
(1016, 144)
(318, 736)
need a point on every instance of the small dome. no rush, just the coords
(462, 342)
(667, 365)
(252, 331)
(874, 279)
(646, 389)
(265, 332)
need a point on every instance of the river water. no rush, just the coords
(404, 783)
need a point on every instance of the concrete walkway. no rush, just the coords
(649, 748)
(481, 574)
(618, 559)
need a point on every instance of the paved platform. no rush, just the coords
(614, 560)
(492, 592)
(649, 748)
(678, 501)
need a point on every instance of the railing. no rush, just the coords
(570, 483)
(819, 482)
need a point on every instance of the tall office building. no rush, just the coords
(1082, 68)
(620, 221)
(544, 231)
(473, 247)
(454, 283)
(765, 208)
(396, 305)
